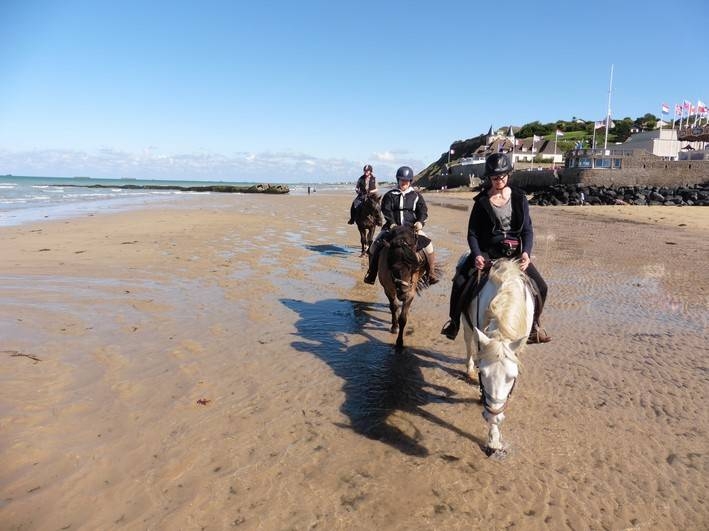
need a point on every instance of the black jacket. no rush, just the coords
(403, 208)
(360, 187)
(483, 227)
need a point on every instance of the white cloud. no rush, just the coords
(149, 163)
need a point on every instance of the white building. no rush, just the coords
(660, 142)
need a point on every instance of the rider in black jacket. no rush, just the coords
(403, 206)
(366, 184)
(499, 226)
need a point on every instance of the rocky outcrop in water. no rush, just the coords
(576, 194)
(222, 188)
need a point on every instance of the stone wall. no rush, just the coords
(641, 171)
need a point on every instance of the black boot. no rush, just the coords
(352, 215)
(431, 265)
(451, 328)
(373, 268)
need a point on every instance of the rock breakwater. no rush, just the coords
(577, 194)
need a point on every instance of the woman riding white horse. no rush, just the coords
(501, 318)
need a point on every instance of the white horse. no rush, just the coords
(501, 317)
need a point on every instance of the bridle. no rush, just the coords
(487, 399)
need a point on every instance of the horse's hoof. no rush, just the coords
(498, 454)
(394, 329)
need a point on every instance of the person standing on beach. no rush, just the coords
(366, 185)
(403, 206)
(499, 227)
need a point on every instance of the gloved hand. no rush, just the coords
(418, 226)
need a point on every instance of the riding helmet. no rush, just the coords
(497, 164)
(367, 167)
(404, 174)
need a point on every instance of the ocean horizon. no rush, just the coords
(25, 199)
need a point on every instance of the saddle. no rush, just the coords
(474, 283)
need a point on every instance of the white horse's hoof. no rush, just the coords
(499, 454)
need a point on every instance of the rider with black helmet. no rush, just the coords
(366, 184)
(403, 206)
(499, 226)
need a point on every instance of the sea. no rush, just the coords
(29, 199)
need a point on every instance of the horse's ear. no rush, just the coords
(516, 344)
(482, 338)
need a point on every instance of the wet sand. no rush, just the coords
(220, 365)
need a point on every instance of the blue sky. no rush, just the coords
(310, 91)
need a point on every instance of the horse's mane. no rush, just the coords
(402, 251)
(507, 308)
(403, 246)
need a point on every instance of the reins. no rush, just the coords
(486, 404)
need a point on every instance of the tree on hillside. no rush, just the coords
(622, 129)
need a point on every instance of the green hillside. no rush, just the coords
(575, 130)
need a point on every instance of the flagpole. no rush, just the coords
(608, 116)
(681, 116)
(556, 136)
(593, 142)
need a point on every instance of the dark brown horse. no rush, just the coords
(368, 217)
(402, 274)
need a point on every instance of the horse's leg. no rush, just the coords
(394, 309)
(403, 317)
(471, 344)
(494, 437)
(471, 350)
(363, 240)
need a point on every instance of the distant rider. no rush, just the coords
(366, 185)
(403, 206)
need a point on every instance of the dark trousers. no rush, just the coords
(460, 282)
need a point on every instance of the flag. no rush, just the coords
(536, 138)
(687, 105)
(559, 133)
(665, 109)
(678, 109)
(701, 107)
(599, 125)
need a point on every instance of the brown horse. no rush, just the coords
(402, 274)
(368, 217)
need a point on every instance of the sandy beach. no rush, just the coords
(220, 364)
